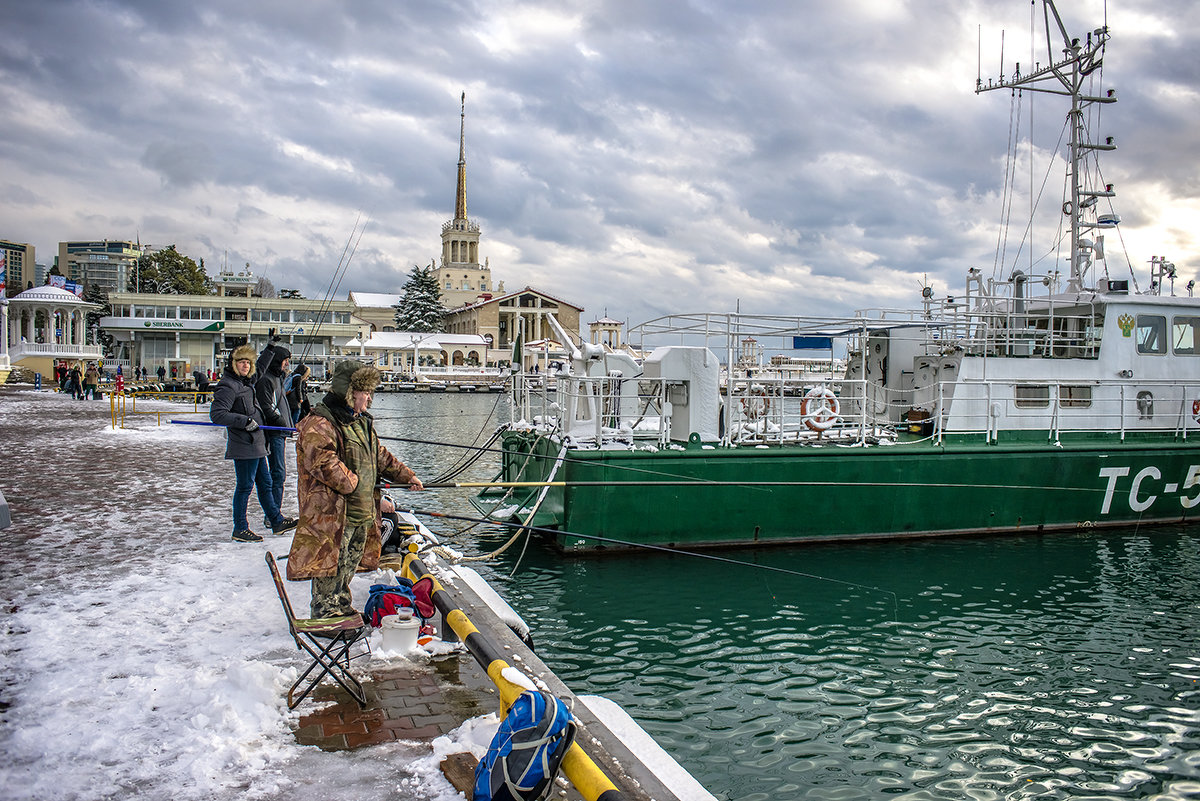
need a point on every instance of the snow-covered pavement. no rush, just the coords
(144, 652)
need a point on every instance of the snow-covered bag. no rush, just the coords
(524, 756)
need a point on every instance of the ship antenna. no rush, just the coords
(1070, 70)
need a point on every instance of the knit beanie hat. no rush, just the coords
(281, 353)
(353, 376)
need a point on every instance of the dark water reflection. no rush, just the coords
(1061, 666)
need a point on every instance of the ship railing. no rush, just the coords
(993, 325)
(1061, 407)
(767, 410)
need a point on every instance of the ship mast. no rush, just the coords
(1069, 69)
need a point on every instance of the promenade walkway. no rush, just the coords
(146, 654)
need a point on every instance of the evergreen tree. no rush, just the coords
(169, 272)
(420, 307)
(94, 334)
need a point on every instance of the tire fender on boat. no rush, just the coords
(820, 408)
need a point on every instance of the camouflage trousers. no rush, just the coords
(331, 594)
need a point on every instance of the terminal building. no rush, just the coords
(197, 332)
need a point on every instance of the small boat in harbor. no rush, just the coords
(1021, 405)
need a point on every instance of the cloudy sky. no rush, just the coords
(636, 157)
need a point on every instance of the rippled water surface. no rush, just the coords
(1058, 666)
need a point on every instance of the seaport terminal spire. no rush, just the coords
(460, 196)
(460, 276)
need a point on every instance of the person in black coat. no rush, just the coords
(234, 407)
(272, 400)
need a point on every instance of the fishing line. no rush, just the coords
(664, 549)
(681, 479)
(335, 281)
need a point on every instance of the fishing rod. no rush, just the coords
(648, 547)
(220, 425)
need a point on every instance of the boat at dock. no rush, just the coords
(1031, 402)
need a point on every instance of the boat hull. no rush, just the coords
(708, 497)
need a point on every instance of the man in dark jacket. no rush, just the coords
(272, 399)
(233, 406)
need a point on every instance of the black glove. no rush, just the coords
(272, 336)
(251, 425)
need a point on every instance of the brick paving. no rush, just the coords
(404, 702)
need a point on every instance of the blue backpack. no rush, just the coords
(524, 756)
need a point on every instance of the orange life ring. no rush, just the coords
(820, 408)
(756, 403)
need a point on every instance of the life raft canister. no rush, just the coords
(1196, 410)
(820, 408)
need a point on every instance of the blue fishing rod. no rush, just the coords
(218, 425)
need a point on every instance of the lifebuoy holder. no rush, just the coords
(820, 408)
(1196, 410)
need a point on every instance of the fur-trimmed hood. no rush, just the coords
(243, 352)
(353, 376)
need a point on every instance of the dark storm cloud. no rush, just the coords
(637, 155)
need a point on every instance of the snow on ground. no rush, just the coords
(145, 653)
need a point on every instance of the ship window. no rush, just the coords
(1183, 335)
(1075, 397)
(1151, 333)
(1031, 396)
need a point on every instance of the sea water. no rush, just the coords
(1053, 666)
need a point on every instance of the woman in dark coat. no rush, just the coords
(233, 406)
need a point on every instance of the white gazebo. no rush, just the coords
(60, 334)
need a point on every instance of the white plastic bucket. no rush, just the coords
(399, 632)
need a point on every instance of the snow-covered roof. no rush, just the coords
(606, 321)
(373, 300)
(51, 294)
(499, 298)
(402, 340)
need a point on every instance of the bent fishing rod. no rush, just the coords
(648, 547)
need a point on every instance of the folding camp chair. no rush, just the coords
(327, 640)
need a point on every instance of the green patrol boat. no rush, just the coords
(1021, 405)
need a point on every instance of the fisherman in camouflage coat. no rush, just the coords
(338, 461)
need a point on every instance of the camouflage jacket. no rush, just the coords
(323, 481)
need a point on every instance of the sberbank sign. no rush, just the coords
(185, 325)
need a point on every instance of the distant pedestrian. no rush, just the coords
(233, 406)
(91, 379)
(75, 382)
(60, 373)
(296, 389)
(162, 374)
